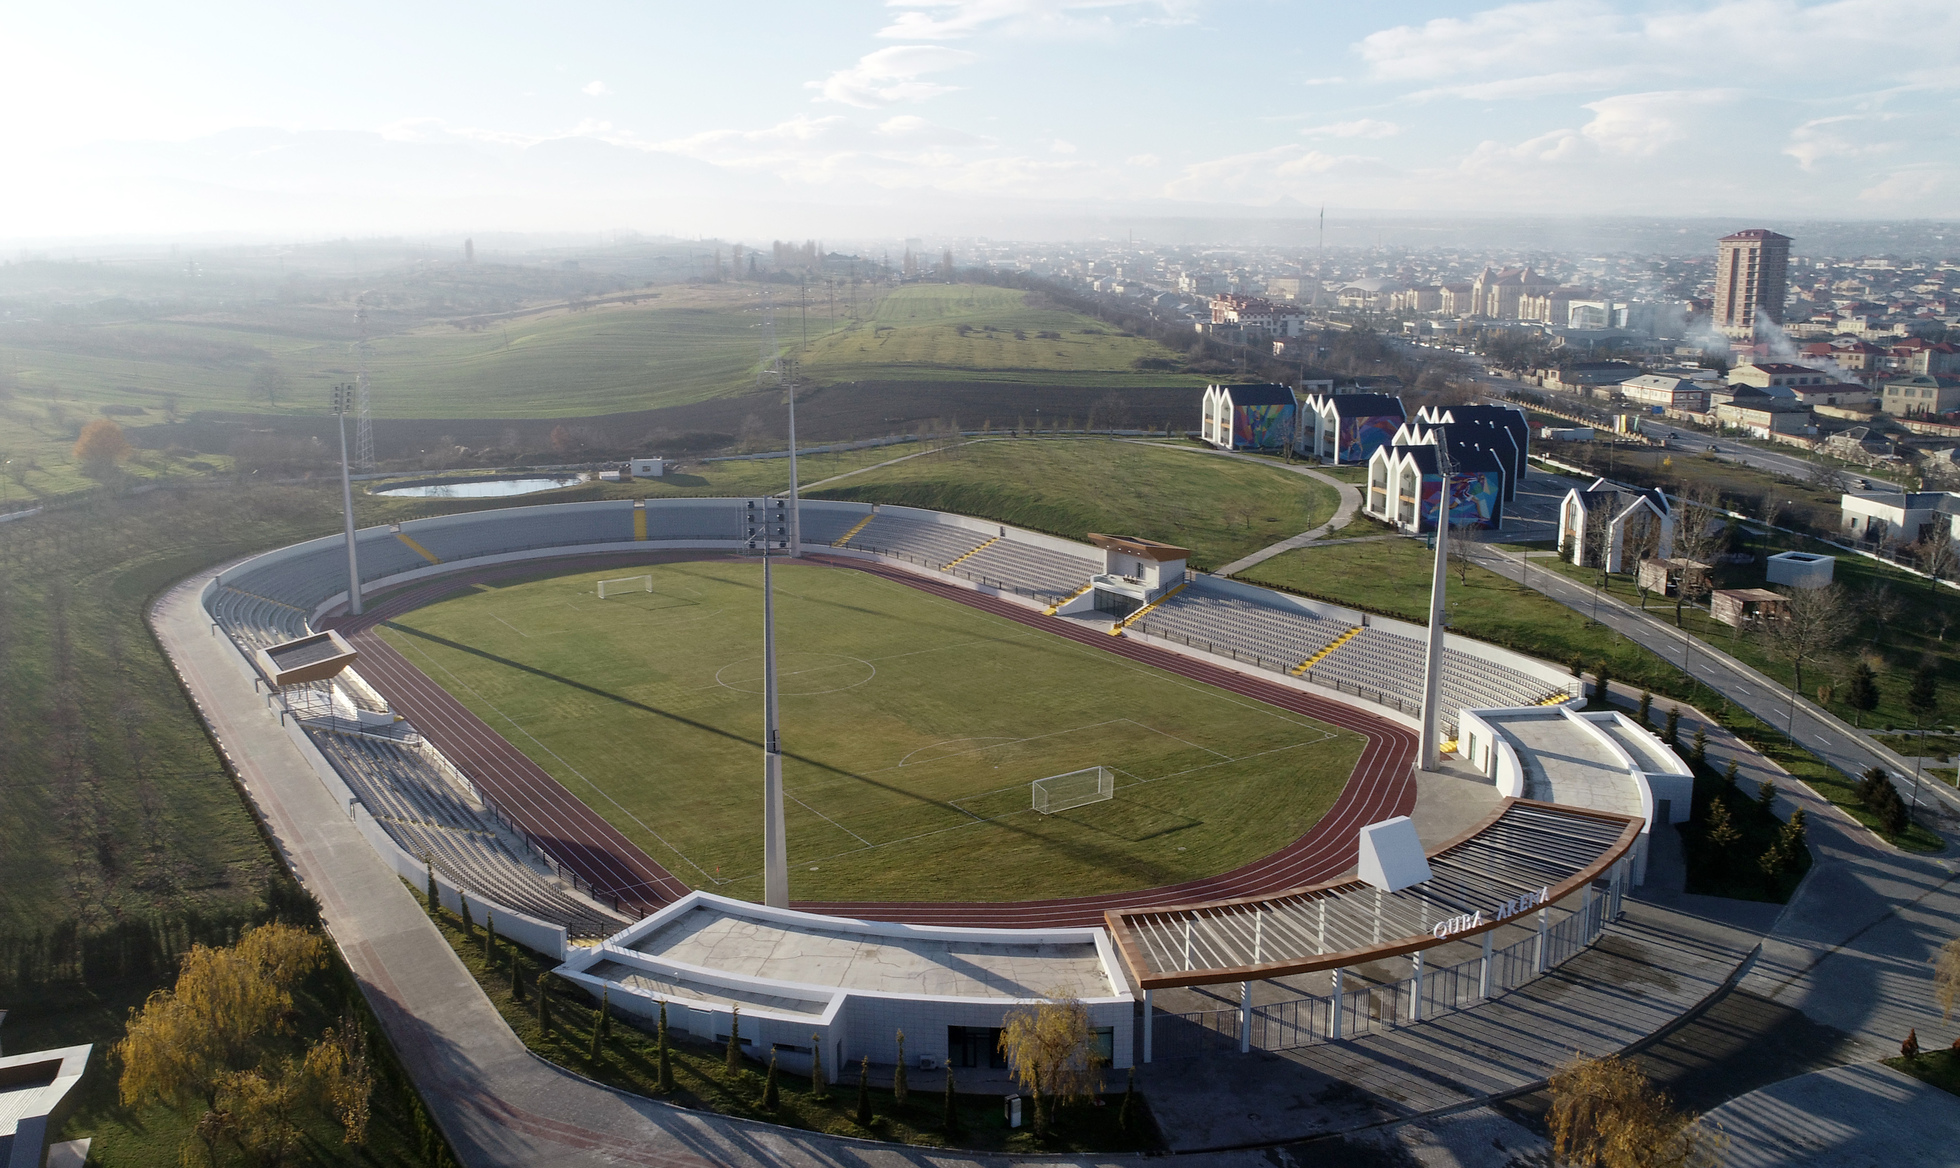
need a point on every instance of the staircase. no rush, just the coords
(1131, 619)
(1052, 609)
(852, 533)
(976, 551)
(1329, 647)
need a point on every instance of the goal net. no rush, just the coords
(1074, 789)
(625, 584)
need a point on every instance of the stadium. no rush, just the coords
(1015, 766)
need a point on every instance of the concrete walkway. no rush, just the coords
(1864, 1116)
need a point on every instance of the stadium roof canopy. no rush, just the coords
(1524, 856)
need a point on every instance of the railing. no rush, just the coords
(1309, 1020)
(1364, 692)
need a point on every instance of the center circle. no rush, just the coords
(798, 674)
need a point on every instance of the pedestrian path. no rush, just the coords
(1846, 1117)
(1344, 512)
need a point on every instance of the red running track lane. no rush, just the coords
(1381, 785)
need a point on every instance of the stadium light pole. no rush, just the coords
(1432, 673)
(795, 508)
(343, 400)
(765, 528)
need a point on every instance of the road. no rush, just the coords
(1819, 731)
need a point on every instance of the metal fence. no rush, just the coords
(1354, 1011)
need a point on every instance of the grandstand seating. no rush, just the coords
(935, 544)
(1037, 570)
(404, 789)
(1282, 635)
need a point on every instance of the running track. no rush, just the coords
(1381, 785)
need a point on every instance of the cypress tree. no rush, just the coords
(898, 1075)
(489, 937)
(864, 1092)
(516, 978)
(1728, 778)
(1719, 836)
(1698, 752)
(732, 1061)
(819, 1087)
(1646, 707)
(1602, 678)
(1863, 693)
(544, 1005)
(771, 1098)
(1671, 734)
(1766, 797)
(599, 1027)
(951, 1121)
(666, 1072)
(463, 899)
(1126, 1118)
(435, 898)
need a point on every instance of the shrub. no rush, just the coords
(771, 1096)
(863, 1115)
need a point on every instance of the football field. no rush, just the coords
(913, 728)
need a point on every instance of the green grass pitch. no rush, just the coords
(913, 727)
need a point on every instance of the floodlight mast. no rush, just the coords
(795, 509)
(343, 400)
(767, 529)
(1432, 673)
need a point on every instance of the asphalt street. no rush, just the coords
(1819, 732)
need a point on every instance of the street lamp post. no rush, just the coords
(765, 530)
(343, 400)
(1432, 680)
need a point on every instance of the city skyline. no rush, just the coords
(968, 112)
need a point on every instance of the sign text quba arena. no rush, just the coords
(1522, 903)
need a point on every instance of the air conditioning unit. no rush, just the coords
(928, 1063)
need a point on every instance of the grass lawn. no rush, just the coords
(1733, 872)
(975, 332)
(1941, 1068)
(1220, 508)
(912, 726)
(629, 1060)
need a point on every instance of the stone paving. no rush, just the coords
(1864, 1116)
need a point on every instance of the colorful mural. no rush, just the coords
(1262, 426)
(1476, 499)
(1359, 438)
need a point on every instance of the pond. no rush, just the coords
(479, 488)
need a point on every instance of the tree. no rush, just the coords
(463, 907)
(771, 1094)
(489, 937)
(732, 1057)
(819, 1086)
(1606, 1113)
(1461, 550)
(1946, 977)
(664, 1055)
(1697, 535)
(544, 1004)
(1719, 836)
(863, 1114)
(1602, 683)
(599, 1019)
(898, 1074)
(1646, 707)
(516, 977)
(951, 1120)
(268, 382)
(1698, 745)
(1048, 1047)
(1923, 699)
(1766, 796)
(433, 898)
(1811, 623)
(1882, 607)
(100, 447)
(1936, 551)
(1862, 694)
(1671, 733)
(1126, 1119)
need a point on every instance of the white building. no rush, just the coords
(850, 985)
(1623, 512)
(1667, 391)
(1889, 517)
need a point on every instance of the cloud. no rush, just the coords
(595, 89)
(1061, 146)
(1144, 160)
(892, 75)
(1498, 38)
(1265, 175)
(938, 20)
(1822, 138)
(1360, 128)
(1643, 123)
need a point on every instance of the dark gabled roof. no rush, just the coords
(1366, 405)
(1468, 460)
(1264, 393)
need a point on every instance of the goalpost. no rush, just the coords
(625, 584)
(1074, 789)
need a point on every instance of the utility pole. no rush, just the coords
(344, 400)
(1432, 674)
(795, 508)
(765, 529)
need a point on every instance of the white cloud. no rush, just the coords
(938, 20)
(1360, 128)
(594, 89)
(1498, 38)
(1823, 138)
(892, 75)
(1144, 160)
(1060, 146)
(1265, 175)
(1643, 123)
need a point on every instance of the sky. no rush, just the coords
(899, 117)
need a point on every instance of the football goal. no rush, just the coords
(625, 584)
(1074, 789)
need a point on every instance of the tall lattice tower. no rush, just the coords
(364, 431)
(771, 363)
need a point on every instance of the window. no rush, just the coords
(974, 1046)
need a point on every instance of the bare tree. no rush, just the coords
(1936, 551)
(268, 382)
(1461, 546)
(1696, 536)
(1828, 478)
(1813, 622)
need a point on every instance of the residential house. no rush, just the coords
(1261, 416)
(1667, 391)
(1921, 393)
(1616, 521)
(1406, 487)
(1347, 428)
(1893, 517)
